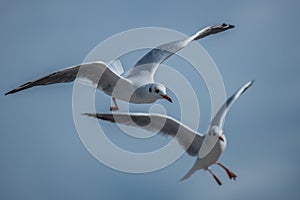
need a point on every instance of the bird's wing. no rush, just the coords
(148, 64)
(219, 118)
(96, 73)
(116, 66)
(189, 139)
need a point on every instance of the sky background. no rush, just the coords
(41, 155)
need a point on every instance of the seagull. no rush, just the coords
(207, 148)
(137, 85)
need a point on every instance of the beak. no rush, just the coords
(167, 98)
(221, 138)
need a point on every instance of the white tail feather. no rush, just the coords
(190, 172)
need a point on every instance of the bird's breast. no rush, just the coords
(213, 155)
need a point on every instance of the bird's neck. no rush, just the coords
(142, 95)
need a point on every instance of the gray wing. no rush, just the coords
(189, 139)
(96, 73)
(148, 63)
(219, 118)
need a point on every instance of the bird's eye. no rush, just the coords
(156, 90)
(150, 89)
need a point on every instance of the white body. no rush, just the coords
(212, 156)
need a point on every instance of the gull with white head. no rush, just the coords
(207, 148)
(137, 85)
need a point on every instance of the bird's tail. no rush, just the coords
(190, 172)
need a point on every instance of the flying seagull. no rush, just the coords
(137, 85)
(207, 148)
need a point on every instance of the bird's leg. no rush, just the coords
(230, 173)
(215, 177)
(115, 108)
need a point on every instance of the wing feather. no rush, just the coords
(149, 63)
(219, 118)
(189, 139)
(97, 73)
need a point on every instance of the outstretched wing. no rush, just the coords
(189, 139)
(148, 64)
(95, 73)
(219, 118)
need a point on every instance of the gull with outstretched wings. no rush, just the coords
(137, 85)
(207, 148)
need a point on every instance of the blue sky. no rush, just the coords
(41, 154)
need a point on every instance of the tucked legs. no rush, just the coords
(115, 108)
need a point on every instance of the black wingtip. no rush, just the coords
(224, 26)
(90, 115)
(107, 117)
(251, 82)
(21, 88)
(95, 115)
(10, 92)
(230, 26)
(227, 26)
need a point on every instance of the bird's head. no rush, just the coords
(159, 91)
(215, 131)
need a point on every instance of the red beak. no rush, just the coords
(221, 138)
(167, 97)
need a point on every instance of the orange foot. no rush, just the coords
(231, 175)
